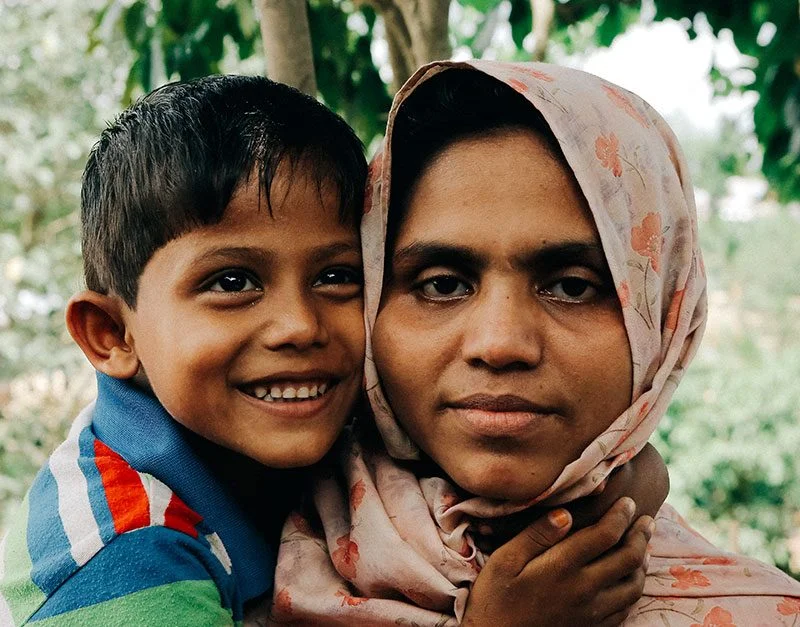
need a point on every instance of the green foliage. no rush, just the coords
(775, 75)
(186, 38)
(730, 438)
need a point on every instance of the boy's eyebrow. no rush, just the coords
(336, 248)
(266, 256)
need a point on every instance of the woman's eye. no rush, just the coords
(339, 276)
(444, 288)
(573, 289)
(233, 281)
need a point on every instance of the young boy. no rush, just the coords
(224, 318)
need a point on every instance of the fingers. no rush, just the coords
(590, 543)
(618, 600)
(532, 541)
(627, 558)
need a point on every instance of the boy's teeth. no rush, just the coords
(288, 392)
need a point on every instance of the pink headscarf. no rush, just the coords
(397, 549)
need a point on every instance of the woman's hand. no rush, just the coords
(539, 577)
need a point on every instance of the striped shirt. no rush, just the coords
(127, 525)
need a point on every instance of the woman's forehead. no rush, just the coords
(497, 194)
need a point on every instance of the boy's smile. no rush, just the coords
(250, 331)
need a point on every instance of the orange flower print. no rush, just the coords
(720, 560)
(283, 602)
(345, 557)
(518, 85)
(624, 294)
(301, 524)
(687, 578)
(619, 99)
(647, 240)
(789, 606)
(349, 600)
(717, 617)
(357, 493)
(542, 76)
(606, 149)
(373, 172)
(419, 597)
(674, 309)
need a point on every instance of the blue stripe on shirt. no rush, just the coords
(48, 545)
(97, 494)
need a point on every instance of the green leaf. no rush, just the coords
(484, 6)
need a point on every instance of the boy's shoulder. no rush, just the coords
(93, 530)
(98, 536)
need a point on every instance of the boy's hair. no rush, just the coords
(452, 106)
(171, 162)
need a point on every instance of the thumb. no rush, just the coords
(533, 540)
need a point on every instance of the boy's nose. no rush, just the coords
(294, 322)
(503, 331)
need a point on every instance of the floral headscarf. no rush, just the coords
(397, 549)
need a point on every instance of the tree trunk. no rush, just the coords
(416, 33)
(287, 43)
(543, 12)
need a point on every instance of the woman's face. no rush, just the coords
(500, 339)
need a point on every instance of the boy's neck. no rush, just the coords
(265, 494)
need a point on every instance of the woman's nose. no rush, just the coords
(294, 322)
(503, 330)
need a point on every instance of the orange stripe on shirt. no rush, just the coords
(180, 517)
(126, 496)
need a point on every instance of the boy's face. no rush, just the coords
(250, 331)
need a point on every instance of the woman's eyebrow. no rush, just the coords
(561, 254)
(423, 254)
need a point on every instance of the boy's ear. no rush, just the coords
(96, 323)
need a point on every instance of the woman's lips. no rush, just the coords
(499, 416)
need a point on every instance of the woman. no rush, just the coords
(543, 295)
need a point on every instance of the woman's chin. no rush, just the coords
(500, 486)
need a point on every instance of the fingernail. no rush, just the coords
(558, 518)
(651, 527)
(646, 561)
(629, 506)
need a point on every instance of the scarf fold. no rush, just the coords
(396, 548)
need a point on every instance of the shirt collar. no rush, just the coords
(135, 425)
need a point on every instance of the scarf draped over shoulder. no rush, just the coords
(396, 549)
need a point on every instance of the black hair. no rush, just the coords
(453, 105)
(171, 162)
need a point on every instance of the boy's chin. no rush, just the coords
(299, 455)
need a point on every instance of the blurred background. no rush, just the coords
(726, 75)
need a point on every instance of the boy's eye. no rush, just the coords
(572, 289)
(233, 281)
(338, 276)
(444, 287)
